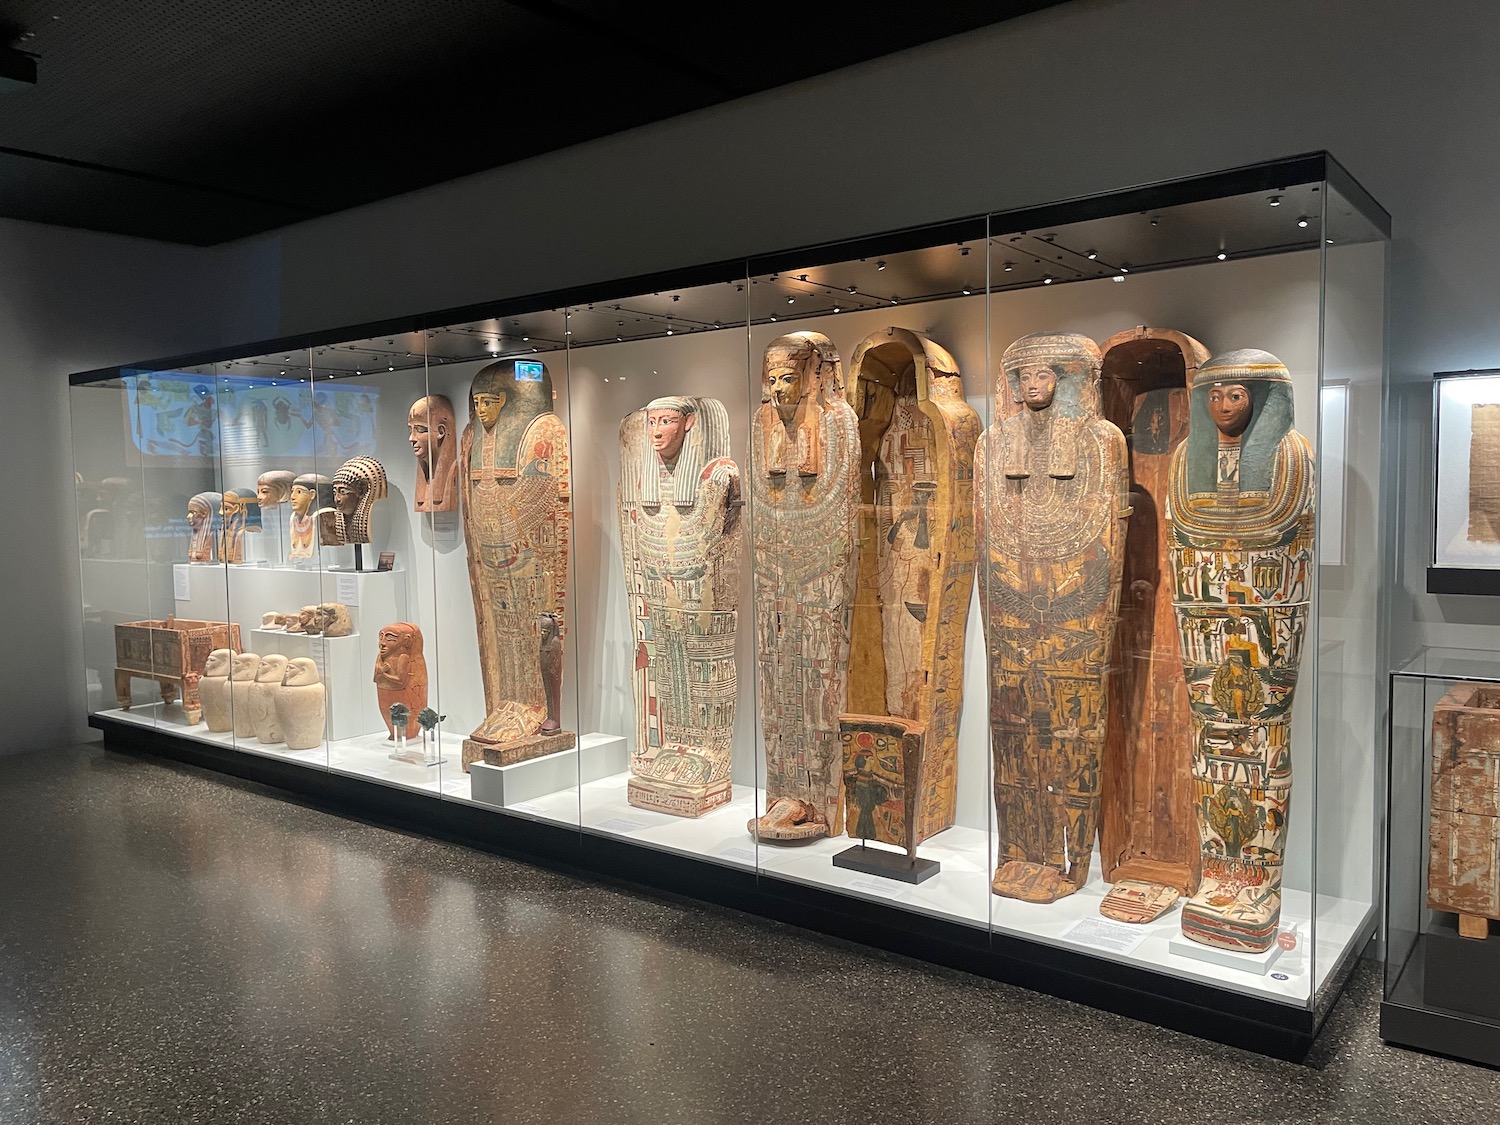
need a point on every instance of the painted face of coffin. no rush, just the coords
(1038, 383)
(1230, 408)
(302, 498)
(487, 406)
(668, 430)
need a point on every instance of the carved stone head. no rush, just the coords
(274, 488)
(301, 671)
(218, 665)
(272, 669)
(246, 665)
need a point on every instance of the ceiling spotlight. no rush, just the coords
(525, 339)
(1046, 281)
(963, 251)
(1155, 222)
(837, 309)
(1009, 266)
(802, 277)
(1329, 241)
(391, 368)
(895, 300)
(1117, 277)
(1092, 254)
(1274, 201)
(967, 290)
(1222, 255)
(852, 289)
(791, 300)
(1124, 268)
(880, 265)
(773, 320)
(1303, 220)
(669, 331)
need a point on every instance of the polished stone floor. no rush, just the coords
(177, 946)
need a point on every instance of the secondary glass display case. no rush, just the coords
(1442, 956)
(919, 589)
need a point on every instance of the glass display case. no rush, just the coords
(1442, 957)
(910, 589)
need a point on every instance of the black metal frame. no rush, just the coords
(1269, 1027)
(1169, 193)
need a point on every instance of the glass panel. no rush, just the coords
(179, 428)
(659, 404)
(1096, 743)
(861, 484)
(369, 631)
(1353, 601)
(510, 682)
(113, 549)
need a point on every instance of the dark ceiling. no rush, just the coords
(204, 121)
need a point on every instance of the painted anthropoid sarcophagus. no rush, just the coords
(1050, 518)
(681, 532)
(804, 451)
(1463, 850)
(1148, 840)
(1241, 509)
(517, 519)
(915, 575)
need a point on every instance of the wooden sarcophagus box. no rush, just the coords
(1463, 864)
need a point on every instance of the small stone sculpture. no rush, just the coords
(359, 482)
(213, 691)
(274, 488)
(312, 494)
(242, 675)
(263, 698)
(301, 706)
(241, 514)
(272, 620)
(401, 675)
(330, 619)
(203, 518)
(433, 432)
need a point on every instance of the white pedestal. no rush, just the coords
(596, 756)
(1258, 964)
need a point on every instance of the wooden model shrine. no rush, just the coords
(517, 521)
(1463, 856)
(173, 652)
(804, 456)
(1241, 513)
(1148, 841)
(681, 528)
(915, 578)
(1051, 507)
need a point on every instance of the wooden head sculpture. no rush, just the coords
(274, 488)
(433, 433)
(202, 518)
(310, 493)
(359, 482)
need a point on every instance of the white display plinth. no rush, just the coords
(1258, 963)
(596, 756)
